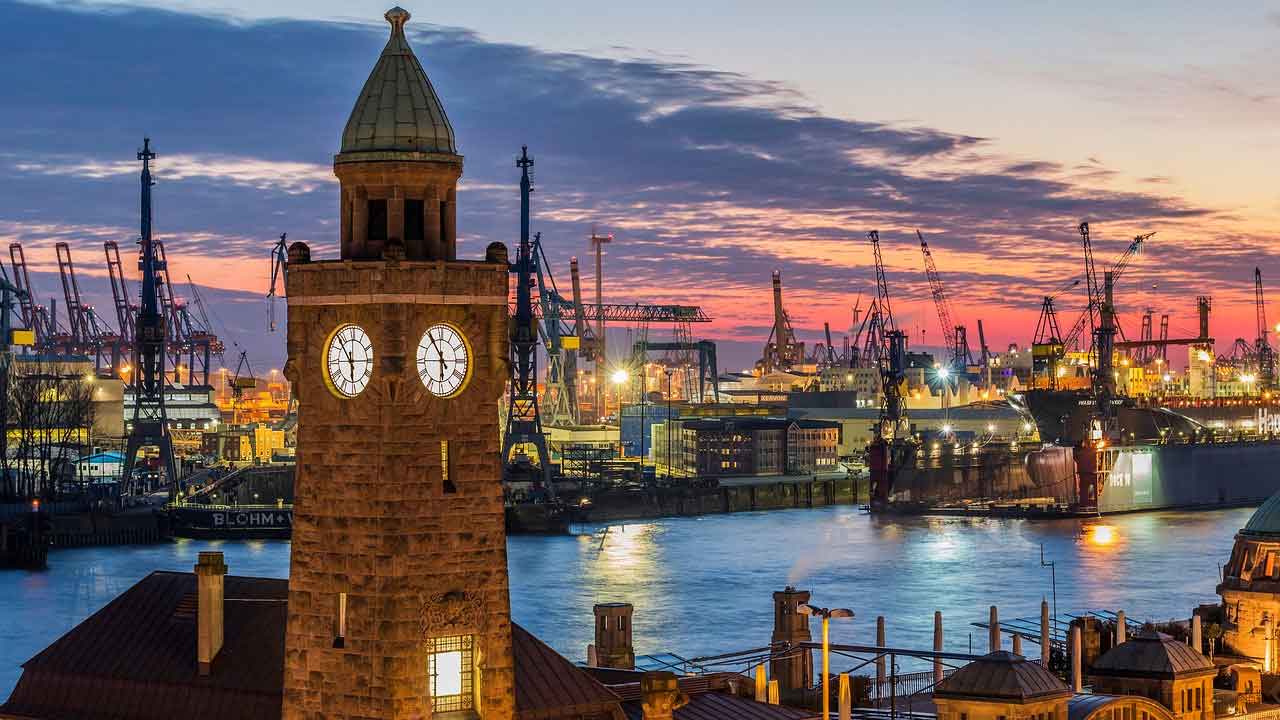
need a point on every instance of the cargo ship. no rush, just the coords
(1158, 460)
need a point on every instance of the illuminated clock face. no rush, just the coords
(444, 360)
(348, 360)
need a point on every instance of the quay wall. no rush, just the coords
(756, 495)
(85, 529)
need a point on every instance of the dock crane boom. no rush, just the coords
(279, 271)
(956, 336)
(1262, 347)
(125, 310)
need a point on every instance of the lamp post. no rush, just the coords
(826, 614)
(620, 378)
(667, 371)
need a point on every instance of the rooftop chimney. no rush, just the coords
(210, 573)
(660, 695)
(613, 644)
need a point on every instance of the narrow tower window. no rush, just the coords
(413, 232)
(340, 633)
(446, 473)
(377, 221)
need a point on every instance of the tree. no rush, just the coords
(1213, 631)
(50, 411)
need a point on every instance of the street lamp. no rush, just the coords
(668, 423)
(826, 614)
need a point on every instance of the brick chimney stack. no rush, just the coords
(614, 648)
(210, 574)
(791, 628)
(660, 695)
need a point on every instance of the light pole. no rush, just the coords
(826, 614)
(620, 378)
(668, 374)
(1053, 580)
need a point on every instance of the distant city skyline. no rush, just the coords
(756, 137)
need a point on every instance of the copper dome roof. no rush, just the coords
(1266, 519)
(1002, 676)
(398, 110)
(1152, 654)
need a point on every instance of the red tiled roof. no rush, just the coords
(136, 657)
(710, 698)
(723, 706)
(549, 686)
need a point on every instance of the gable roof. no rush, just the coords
(549, 686)
(136, 657)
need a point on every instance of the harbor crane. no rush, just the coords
(956, 335)
(524, 421)
(279, 270)
(889, 448)
(1262, 347)
(35, 316)
(150, 426)
(781, 351)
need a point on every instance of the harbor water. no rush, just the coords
(701, 586)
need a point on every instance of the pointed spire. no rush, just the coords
(398, 109)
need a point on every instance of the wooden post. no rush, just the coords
(1046, 644)
(773, 692)
(993, 631)
(879, 658)
(762, 685)
(937, 645)
(1017, 645)
(1197, 636)
(1122, 632)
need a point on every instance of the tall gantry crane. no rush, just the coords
(150, 427)
(34, 315)
(524, 421)
(126, 310)
(888, 448)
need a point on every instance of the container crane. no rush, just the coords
(125, 309)
(35, 316)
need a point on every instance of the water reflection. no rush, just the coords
(702, 585)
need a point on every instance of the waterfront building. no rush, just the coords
(746, 446)
(1250, 588)
(1154, 665)
(1004, 686)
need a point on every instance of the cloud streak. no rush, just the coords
(710, 179)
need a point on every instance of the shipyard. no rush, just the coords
(420, 363)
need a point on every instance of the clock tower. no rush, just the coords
(398, 601)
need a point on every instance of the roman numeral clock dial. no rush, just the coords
(348, 361)
(444, 360)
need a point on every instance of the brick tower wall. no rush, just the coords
(372, 518)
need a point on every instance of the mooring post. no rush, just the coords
(880, 642)
(1046, 649)
(937, 645)
(1122, 631)
(993, 630)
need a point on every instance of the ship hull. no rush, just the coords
(1047, 482)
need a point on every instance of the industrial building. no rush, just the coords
(724, 447)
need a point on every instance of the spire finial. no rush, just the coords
(397, 16)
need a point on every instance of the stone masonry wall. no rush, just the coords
(371, 517)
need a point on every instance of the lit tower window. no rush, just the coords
(450, 664)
